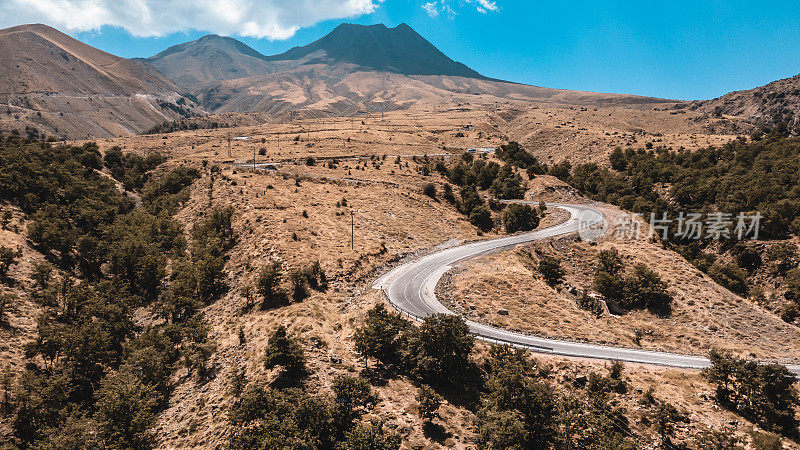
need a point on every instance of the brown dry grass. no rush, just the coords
(392, 219)
(19, 326)
(704, 314)
(552, 131)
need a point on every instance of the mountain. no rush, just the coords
(64, 87)
(210, 59)
(354, 68)
(376, 47)
(771, 104)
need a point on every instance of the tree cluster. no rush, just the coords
(94, 376)
(513, 153)
(269, 283)
(738, 177)
(129, 168)
(521, 410)
(639, 288)
(520, 217)
(292, 417)
(501, 181)
(764, 393)
(435, 352)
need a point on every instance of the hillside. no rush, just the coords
(767, 105)
(194, 386)
(64, 87)
(210, 59)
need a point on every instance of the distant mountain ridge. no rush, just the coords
(354, 68)
(210, 59)
(67, 88)
(377, 48)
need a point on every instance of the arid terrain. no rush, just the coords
(63, 87)
(328, 157)
(703, 316)
(557, 132)
(295, 215)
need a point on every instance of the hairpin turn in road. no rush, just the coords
(410, 288)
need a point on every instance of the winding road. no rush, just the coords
(411, 287)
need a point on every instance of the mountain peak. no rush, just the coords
(378, 47)
(210, 43)
(208, 59)
(210, 37)
(33, 27)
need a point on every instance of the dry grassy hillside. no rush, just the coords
(319, 90)
(301, 213)
(63, 87)
(552, 132)
(766, 105)
(19, 326)
(393, 219)
(704, 315)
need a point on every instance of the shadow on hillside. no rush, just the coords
(465, 388)
(436, 432)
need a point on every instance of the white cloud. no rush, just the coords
(486, 5)
(273, 19)
(439, 7)
(431, 9)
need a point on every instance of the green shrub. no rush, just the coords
(481, 217)
(520, 217)
(380, 337)
(729, 276)
(268, 285)
(285, 351)
(428, 401)
(551, 270)
(430, 190)
(764, 393)
(126, 409)
(372, 436)
(8, 257)
(642, 288)
(298, 281)
(438, 351)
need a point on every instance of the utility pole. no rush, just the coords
(229, 144)
(254, 158)
(352, 230)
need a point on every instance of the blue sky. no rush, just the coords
(677, 49)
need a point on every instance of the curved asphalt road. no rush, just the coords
(410, 288)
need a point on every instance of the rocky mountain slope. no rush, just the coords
(768, 105)
(210, 59)
(64, 87)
